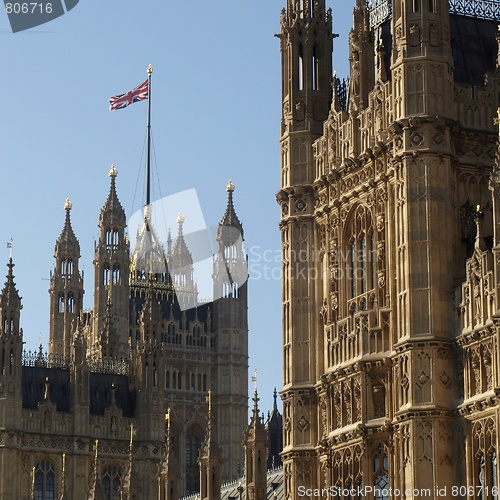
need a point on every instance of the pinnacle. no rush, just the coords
(112, 212)
(67, 243)
(10, 295)
(230, 219)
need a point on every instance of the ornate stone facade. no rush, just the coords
(390, 286)
(88, 419)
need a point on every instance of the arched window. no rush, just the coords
(381, 473)
(105, 274)
(315, 68)
(111, 477)
(301, 67)
(71, 303)
(45, 479)
(116, 274)
(194, 437)
(361, 253)
(69, 269)
(61, 302)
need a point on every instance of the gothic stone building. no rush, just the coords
(88, 420)
(390, 223)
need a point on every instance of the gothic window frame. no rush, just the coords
(111, 478)
(45, 480)
(115, 275)
(193, 444)
(106, 274)
(70, 303)
(380, 474)
(360, 256)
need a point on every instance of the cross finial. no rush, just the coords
(9, 246)
(254, 380)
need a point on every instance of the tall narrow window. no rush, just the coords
(71, 303)
(381, 474)
(45, 481)
(194, 438)
(61, 302)
(372, 256)
(416, 5)
(105, 275)
(111, 477)
(116, 274)
(353, 268)
(301, 67)
(315, 66)
(362, 263)
(432, 6)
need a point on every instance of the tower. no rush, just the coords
(377, 239)
(306, 51)
(111, 274)
(66, 289)
(11, 347)
(230, 321)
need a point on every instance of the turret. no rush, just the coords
(210, 460)
(306, 51)
(11, 345)
(66, 289)
(230, 320)
(255, 442)
(230, 267)
(111, 267)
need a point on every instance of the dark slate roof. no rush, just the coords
(60, 390)
(34, 387)
(474, 47)
(101, 393)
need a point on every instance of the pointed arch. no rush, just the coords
(360, 253)
(45, 479)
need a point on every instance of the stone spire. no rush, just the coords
(67, 244)
(10, 303)
(10, 295)
(255, 441)
(112, 212)
(210, 460)
(181, 254)
(229, 219)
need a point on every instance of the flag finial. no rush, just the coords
(150, 70)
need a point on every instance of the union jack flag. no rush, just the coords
(140, 93)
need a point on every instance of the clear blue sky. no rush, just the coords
(216, 114)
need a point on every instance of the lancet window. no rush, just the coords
(361, 253)
(45, 479)
(111, 477)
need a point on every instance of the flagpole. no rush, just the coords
(148, 165)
